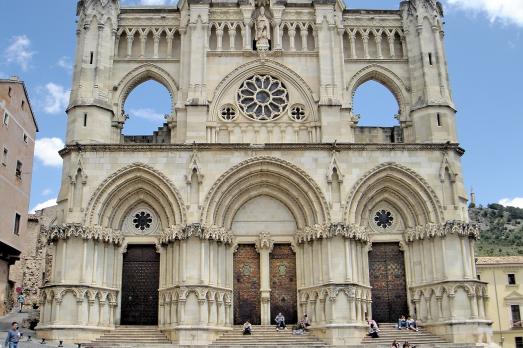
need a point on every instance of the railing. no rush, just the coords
(516, 324)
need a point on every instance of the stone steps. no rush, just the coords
(421, 339)
(130, 337)
(264, 337)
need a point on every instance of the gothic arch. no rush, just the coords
(398, 185)
(131, 185)
(387, 78)
(138, 76)
(268, 176)
(265, 66)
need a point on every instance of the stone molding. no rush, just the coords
(269, 147)
(98, 233)
(324, 292)
(471, 287)
(326, 231)
(264, 242)
(81, 293)
(179, 232)
(203, 293)
(459, 228)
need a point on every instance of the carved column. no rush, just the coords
(391, 46)
(130, 40)
(156, 45)
(264, 247)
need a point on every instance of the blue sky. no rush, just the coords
(484, 43)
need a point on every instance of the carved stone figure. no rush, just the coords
(263, 30)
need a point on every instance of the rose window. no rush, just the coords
(383, 219)
(142, 220)
(263, 97)
(297, 113)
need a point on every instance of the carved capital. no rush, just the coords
(66, 231)
(264, 242)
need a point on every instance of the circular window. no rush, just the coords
(263, 97)
(142, 220)
(228, 113)
(383, 218)
(298, 113)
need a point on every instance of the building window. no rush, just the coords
(16, 229)
(516, 316)
(478, 276)
(6, 119)
(18, 171)
(519, 342)
(25, 138)
(9, 92)
(23, 104)
(511, 279)
(4, 156)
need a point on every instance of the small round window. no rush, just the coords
(142, 220)
(228, 113)
(298, 113)
(383, 219)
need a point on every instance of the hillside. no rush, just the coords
(501, 230)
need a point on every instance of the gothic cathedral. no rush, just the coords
(261, 193)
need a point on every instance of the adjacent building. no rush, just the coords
(505, 287)
(17, 141)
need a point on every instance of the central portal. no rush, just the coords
(140, 281)
(283, 283)
(247, 297)
(387, 279)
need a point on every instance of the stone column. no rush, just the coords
(264, 247)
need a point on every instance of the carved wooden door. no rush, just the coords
(283, 283)
(247, 297)
(140, 282)
(387, 279)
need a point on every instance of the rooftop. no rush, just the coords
(499, 260)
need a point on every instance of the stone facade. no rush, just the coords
(17, 140)
(262, 148)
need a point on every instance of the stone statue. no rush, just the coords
(263, 30)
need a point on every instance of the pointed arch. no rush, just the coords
(131, 185)
(138, 76)
(399, 186)
(263, 66)
(265, 176)
(387, 78)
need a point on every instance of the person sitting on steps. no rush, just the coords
(411, 324)
(407, 345)
(373, 328)
(247, 328)
(402, 323)
(280, 322)
(395, 344)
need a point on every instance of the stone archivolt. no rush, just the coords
(428, 231)
(325, 231)
(97, 233)
(178, 232)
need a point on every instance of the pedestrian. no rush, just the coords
(395, 344)
(247, 328)
(21, 300)
(280, 322)
(13, 336)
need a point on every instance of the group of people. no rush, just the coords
(407, 323)
(395, 344)
(300, 328)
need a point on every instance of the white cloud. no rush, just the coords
(509, 11)
(65, 63)
(147, 114)
(46, 192)
(512, 202)
(46, 150)
(56, 98)
(19, 51)
(46, 204)
(152, 2)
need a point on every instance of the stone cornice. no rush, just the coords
(178, 232)
(325, 231)
(66, 231)
(268, 147)
(428, 231)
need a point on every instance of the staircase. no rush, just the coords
(421, 339)
(131, 336)
(266, 336)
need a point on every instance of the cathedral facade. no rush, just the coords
(261, 194)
